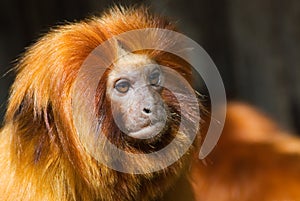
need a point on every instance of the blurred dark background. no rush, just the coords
(255, 44)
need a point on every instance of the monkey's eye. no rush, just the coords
(122, 86)
(154, 78)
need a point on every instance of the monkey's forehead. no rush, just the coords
(131, 62)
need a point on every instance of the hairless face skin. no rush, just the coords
(134, 87)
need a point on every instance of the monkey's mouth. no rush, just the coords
(149, 131)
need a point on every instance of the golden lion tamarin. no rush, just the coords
(48, 148)
(254, 160)
(51, 148)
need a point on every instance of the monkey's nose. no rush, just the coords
(147, 111)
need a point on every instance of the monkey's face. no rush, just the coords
(144, 110)
(134, 88)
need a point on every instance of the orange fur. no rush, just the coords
(254, 160)
(41, 157)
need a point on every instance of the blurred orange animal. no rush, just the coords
(254, 160)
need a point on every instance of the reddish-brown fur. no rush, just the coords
(41, 157)
(254, 160)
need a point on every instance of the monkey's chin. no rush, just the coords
(148, 132)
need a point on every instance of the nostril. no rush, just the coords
(146, 110)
